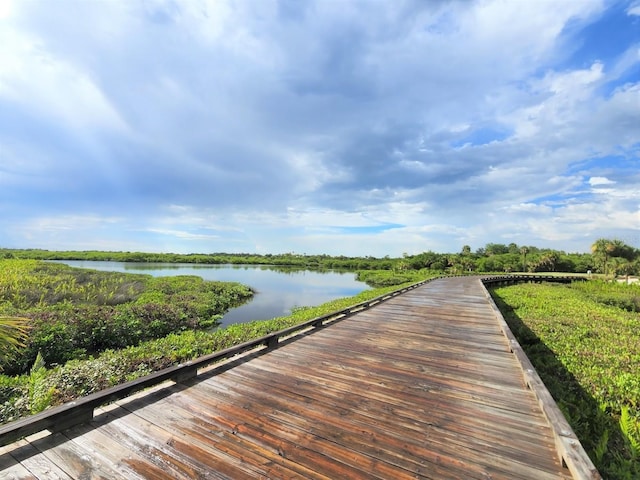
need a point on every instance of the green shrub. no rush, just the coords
(385, 278)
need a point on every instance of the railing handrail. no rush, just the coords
(81, 410)
(525, 277)
(568, 446)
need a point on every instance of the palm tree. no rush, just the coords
(13, 334)
(603, 248)
(615, 256)
(622, 266)
(524, 251)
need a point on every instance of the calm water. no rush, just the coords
(277, 291)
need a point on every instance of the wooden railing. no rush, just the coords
(81, 410)
(522, 278)
(568, 447)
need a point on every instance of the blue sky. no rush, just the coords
(335, 126)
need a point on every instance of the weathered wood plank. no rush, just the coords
(38, 465)
(256, 464)
(12, 469)
(385, 398)
(171, 449)
(326, 442)
(397, 434)
(404, 421)
(73, 459)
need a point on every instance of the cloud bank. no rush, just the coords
(356, 128)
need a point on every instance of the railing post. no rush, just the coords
(272, 341)
(185, 373)
(71, 418)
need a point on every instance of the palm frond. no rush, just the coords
(14, 332)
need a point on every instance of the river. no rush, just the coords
(278, 291)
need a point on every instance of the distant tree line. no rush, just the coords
(607, 256)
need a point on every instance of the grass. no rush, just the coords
(584, 341)
(386, 278)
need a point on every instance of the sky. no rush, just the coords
(340, 127)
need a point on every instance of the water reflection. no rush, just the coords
(278, 289)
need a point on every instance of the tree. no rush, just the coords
(546, 263)
(524, 251)
(601, 250)
(622, 250)
(622, 266)
(495, 249)
(604, 250)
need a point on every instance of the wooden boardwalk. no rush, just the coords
(424, 385)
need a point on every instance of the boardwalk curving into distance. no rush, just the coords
(424, 385)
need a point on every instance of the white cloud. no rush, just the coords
(181, 234)
(600, 181)
(529, 209)
(634, 9)
(50, 87)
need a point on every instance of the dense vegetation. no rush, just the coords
(385, 278)
(607, 257)
(74, 313)
(584, 341)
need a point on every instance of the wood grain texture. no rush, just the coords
(424, 385)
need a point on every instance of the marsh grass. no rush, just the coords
(584, 341)
(73, 313)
